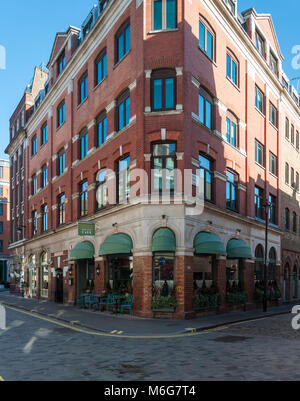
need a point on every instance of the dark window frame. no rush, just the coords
(211, 173)
(61, 106)
(258, 206)
(117, 172)
(34, 145)
(235, 186)
(163, 74)
(61, 153)
(207, 98)
(44, 136)
(44, 217)
(101, 117)
(122, 99)
(163, 16)
(43, 182)
(84, 79)
(83, 199)
(233, 58)
(122, 31)
(164, 159)
(207, 28)
(83, 137)
(99, 58)
(61, 209)
(61, 62)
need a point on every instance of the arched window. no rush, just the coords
(123, 107)
(294, 222)
(287, 219)
(259, 263)
(101, 191)
(163, 90)
(101, 128)
(163, 248)
(232, 129)
(207, 38)
(32, 276)
(44, 276)
(83, 143)
(205, 108)
(232, 67)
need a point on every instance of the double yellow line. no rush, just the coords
(112, 334)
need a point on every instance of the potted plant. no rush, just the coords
(164, 303)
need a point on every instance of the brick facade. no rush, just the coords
(177, 50)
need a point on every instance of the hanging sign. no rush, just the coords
(86, 229)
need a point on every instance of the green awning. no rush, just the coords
(237, 249)
(83, 250)
(116, 244)
(208, 244)
(163, 241)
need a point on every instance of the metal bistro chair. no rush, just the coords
(81, 300)
(91, 300)
(108, 301)
(128, 303)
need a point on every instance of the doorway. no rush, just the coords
(59, 292)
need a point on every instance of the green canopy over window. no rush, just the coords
(237, 249)
(164, 241)
(116, 244)
(83, 250)
(208, 244)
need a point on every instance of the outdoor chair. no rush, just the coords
(81, 300)
(91, 300)
(108, 301)
(127, 304)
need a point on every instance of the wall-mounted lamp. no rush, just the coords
(70, 271)
(98, 270)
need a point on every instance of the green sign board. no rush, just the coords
(86, 229)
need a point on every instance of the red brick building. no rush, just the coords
(158, 85)
(4, 221)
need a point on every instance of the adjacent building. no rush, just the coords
(16, 150)
(4, 221)
(145, 97)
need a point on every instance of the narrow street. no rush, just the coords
(34, 347)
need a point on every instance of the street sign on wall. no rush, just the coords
(86, 229)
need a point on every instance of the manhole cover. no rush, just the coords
(231, 339)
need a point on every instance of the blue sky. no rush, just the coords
(27, 31)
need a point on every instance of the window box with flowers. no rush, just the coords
(206, 298)
(163, 299)
(235, 295)
(273, 292)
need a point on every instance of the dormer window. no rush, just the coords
(273, 63)
(260, 44)
(61, 63)
(88, 27)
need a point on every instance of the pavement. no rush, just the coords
(43, 346)
(131, 325)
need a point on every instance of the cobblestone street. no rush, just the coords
(33, 348)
